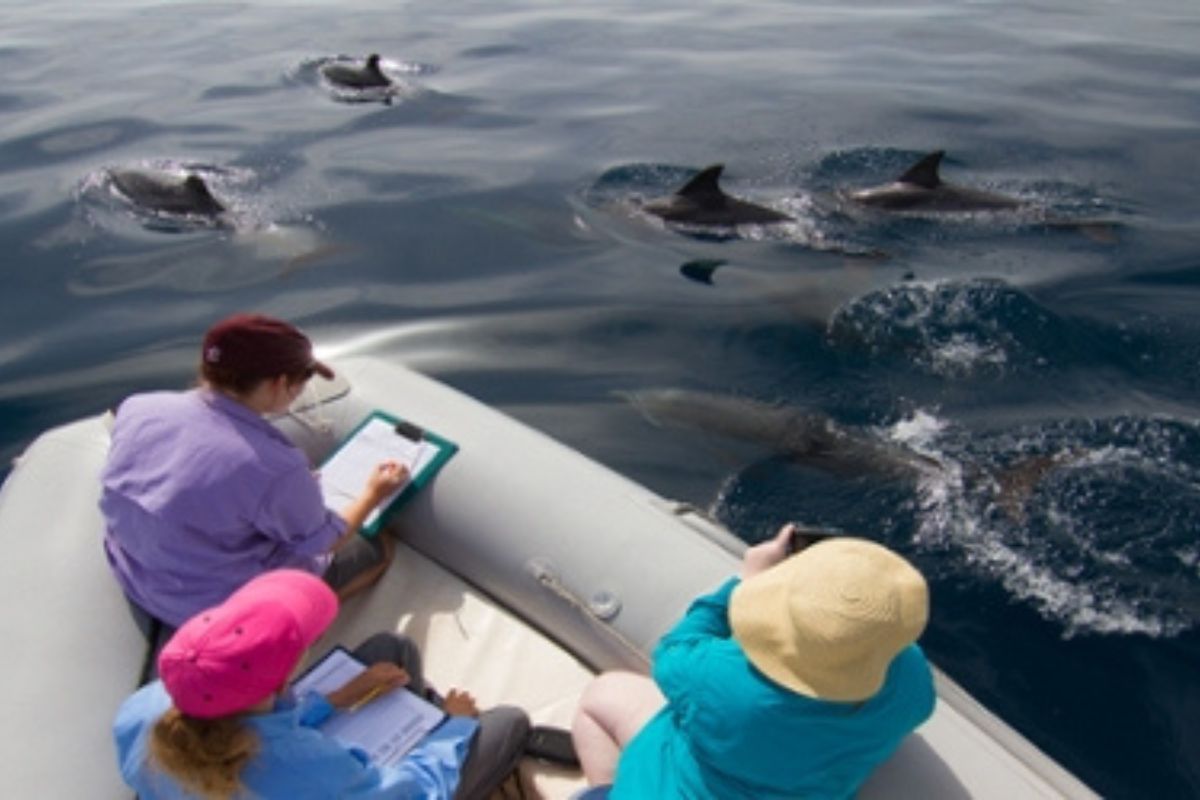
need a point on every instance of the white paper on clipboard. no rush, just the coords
(344, 476)
(387, 727)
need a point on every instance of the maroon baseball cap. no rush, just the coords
(258, 346)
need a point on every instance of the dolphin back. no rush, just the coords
(167, 193)
(921, 188)
(701, 201)
(367, 76)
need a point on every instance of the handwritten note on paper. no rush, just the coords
(345, 475)
(385, 728)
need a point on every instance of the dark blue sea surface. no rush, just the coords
(481, 222)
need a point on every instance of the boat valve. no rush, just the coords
(603, 605)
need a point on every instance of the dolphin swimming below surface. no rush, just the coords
(809, 436)
(922, 189)
(368, 76)
(167, 192)
(816, 439)
(701, 201)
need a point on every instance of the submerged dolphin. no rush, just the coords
(922, 189)
(807, 435)
(166, 192)
(701, 201)
(816, 439)
(368, 76)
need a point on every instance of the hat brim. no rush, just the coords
(756, 608)
(322, 369)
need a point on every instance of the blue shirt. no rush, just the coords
(200, 494)
(729, 732)
(297, 761)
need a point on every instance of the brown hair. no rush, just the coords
(241, 384)
(205, 756)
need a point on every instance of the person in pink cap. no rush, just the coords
(201, 493)
(220, 722)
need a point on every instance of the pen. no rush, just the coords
(366, 698)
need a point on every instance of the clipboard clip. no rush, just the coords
(410, 431)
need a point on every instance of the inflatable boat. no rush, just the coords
(523, 568)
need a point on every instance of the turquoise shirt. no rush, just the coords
(729, 732)
(297, 761)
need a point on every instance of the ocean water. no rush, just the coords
(482, 222)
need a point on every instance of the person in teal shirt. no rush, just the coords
(794, 681)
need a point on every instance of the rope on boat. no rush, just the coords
(601, 609)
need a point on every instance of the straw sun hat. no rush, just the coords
(828, 621)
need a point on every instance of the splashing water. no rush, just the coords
(1099, 544)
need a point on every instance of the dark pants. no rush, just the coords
(353, 558)
(500, 741)
(157, 634)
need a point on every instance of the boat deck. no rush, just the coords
(468, 642)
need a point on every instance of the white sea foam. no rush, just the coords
(963, 356)
(917, 431)
(1073, 577)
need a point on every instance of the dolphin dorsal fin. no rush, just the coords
(704, 184)
(196, 185)
(925, 172)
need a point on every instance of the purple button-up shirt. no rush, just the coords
(200, 494)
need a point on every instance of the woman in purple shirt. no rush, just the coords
(201, 493)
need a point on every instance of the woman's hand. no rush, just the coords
(765, 555)
(387, 477)
(375, 680)
(459, 703)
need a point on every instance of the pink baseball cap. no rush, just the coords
(258, 346)
(237, 654)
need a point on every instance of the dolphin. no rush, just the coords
(702, 202)
(816, 439)
(166, 192)
(805, 435)
(368, 76)
(922, 189)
